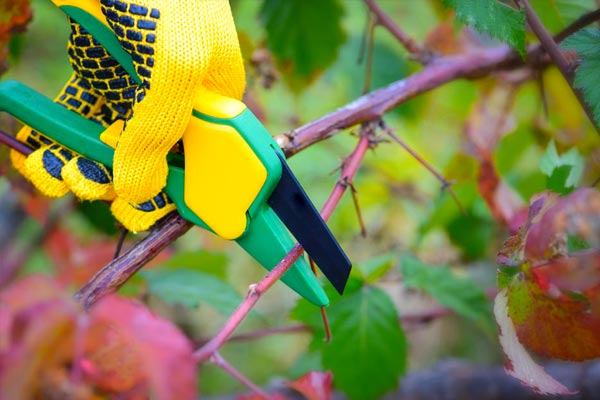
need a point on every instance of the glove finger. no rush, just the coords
(31, 138)
(140, 217)
(44, 167)
(88, 179)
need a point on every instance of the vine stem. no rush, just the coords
(255, 292)
(222, 363)
(556, 55)
(383, 19)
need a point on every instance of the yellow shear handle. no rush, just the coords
(223, 175)
(90, 6)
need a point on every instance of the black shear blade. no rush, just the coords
(296, 211)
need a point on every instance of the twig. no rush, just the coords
(254, 293)
(324, 318)
(578, 24)
(113, 275)
(557, 56)
(361, 221)
(259, 334)
(257, 290)
(383, 19)
(446, 185)
(219, 361)
(14, 144)
(122, 236)
(370, 43)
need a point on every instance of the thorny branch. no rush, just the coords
(557, 56)
(471, 65)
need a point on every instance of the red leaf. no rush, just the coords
(77, 261)
(158, 347)
(36, 206)
(489, 120)
(554, 300)
(50, 348)
(575, 215)
(313, 385)
(520, 364)
(552, 324)
(579, 272)
(38, 338)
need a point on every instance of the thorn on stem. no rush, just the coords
(253, 290)
(120, 242)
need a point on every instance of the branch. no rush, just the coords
(577, 25)
(113, 275)
(557, 56)
(372, 106)
(471, 65)
(14, 144)
(382, 18)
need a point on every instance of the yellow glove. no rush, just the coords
(192, 43)
(176, 47)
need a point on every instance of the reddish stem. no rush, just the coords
(218, 360)
(255, 292)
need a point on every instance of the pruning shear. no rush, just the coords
(232, 179)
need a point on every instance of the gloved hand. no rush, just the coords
(176, 48)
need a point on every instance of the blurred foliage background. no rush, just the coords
(405, 210)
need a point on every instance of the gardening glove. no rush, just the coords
(176, 47)
(55, 170)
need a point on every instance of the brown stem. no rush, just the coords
(577, 25)
(383, 19)
(14, 144)
(557, 56)
(372, 106)
(113, 275)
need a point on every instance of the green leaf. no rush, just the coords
(210, 262)
(368, 351)
(587, 45)
(310, 315)
(556, 14)
(563, 171)
(585, 42)
(557, 181)
(493, 18)
(373, 269)
(98, 214)
(472, 233)
(304, 37)
(459, 294)
(192, 288)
